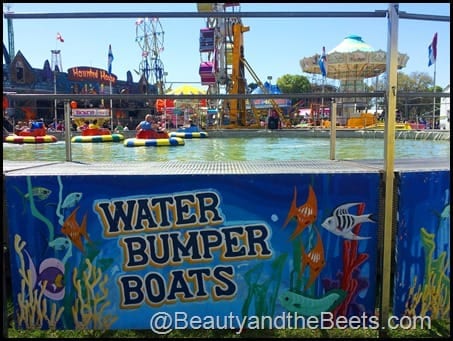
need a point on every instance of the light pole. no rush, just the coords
(167, 125)
(56, 67)
(55, 100)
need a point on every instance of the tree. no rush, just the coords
(410, 107)
(415, 107)
(293, 84)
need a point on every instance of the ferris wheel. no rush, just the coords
(149, 35)
(216, 41)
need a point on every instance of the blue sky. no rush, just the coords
(273, 46)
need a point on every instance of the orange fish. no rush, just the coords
(314, 260)
(305, 214)
(74, 231)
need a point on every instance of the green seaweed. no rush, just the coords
(263, 295)
(432, 296)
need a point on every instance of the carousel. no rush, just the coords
(351, 62)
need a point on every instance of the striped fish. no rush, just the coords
(341, 222)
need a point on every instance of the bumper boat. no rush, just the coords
(189, 133)
(33, 135)
(147, 138)
(95, 135)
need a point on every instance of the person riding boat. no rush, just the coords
(147, 129)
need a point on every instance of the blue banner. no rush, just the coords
(114, 252)
(422, 274)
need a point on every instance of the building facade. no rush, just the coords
(21, 78)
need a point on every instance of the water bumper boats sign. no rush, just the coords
(218, 251)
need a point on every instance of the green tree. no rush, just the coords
(294, 84)
(411, 108)
(415, 107)
(290, 84)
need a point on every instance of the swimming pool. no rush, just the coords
(230, 149)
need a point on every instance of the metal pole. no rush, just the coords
(376, 89)
(167, 124)
(6, 278)
(111, 107)
(389, 156)
(333, 129)
(55, 100)
(322, 100)
(67, 130)
(434, 99)
(164, 90)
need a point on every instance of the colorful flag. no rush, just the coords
(432, 51)
(322, 62)
(59, 37)
(110, 59)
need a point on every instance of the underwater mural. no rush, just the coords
(108, 252)
(422, 272)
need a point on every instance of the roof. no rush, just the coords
(352, 59)
(352, 43)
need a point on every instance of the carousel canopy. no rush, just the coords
(351, 59)
(186, 90)
(182, 103)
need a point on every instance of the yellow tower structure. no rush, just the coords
(237, 107)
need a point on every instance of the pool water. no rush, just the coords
(229, 149)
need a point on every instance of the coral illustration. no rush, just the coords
(33, 306)
(432, 296)
(91, 301)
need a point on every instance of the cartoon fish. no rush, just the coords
(71, 200)
(74, 231)
(314, 259)
(38, 193)
(443, 216)
(311, 306)
(341, 222)
(60, 243)
(305, 214)
(50, 275)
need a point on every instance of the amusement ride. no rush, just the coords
(223, 64)
(223, 67)
(351, 62)
(149, 35)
